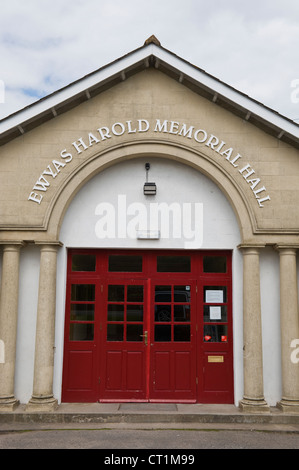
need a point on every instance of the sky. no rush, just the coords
(252, 46)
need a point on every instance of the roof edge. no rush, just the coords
(150, 54)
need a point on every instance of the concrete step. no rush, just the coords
(148, 413)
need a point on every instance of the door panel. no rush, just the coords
(82, 360)
(113, 379)
(135, 370)
(183, 371)
(161, 371)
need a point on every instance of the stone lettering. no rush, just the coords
(79, 144)
(35, 197)
(117, 129)
(67, 156)
(92, 139)
(186, 132)
(49, 172)
(143, 125)
(200, 131)
(212, 142)
(42, 184)
(104, 133)
(161, 127)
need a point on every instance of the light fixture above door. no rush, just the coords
(149, 189)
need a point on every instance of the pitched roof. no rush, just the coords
(151, 54)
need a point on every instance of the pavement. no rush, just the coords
(149, 416)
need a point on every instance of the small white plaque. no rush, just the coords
(214, 296)
(148, 234)
(215, 313)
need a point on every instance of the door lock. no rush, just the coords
(145, 337)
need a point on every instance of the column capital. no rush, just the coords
(49, 245)
(12, 244)
(290, 248)
(254, 247)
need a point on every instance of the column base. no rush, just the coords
(40, 404)
(254, 405)
(288, 406)
(8, 403)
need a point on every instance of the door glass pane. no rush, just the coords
(181, 313)
(163, 294)
(215, 294)
(81, 332)
(182, 294)
(181, 333)
(163, 313)
(134, 333)
(81, 292)
(83, 262)
(116, 293)
(214, 264)
(173, 264)
(162, 333)
(125, 263)
(217, 313)
(135, 294)
(134, 313)
(82, 312)
(115, 313)
(115, 332)
(215, 333)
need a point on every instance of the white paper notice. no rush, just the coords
(214, 296)
(215, 313)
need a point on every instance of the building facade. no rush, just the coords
(149, 230)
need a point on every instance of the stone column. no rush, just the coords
(289, 325)
(8, 323)
(253, 399)
(42, 398)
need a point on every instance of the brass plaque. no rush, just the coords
(215, 358)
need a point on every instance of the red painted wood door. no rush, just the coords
(173, 340)
(215, 347)
(124, 345)
(81, 346)
(148, 326)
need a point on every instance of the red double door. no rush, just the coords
(148, 327)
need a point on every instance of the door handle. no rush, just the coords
(145, 337)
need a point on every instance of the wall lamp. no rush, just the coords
(149, 189)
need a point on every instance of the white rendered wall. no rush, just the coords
(27, 313)
(270, 305)
(175, 183)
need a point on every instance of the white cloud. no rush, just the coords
(46, 44)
